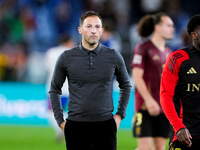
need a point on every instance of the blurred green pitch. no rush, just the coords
(42, 138)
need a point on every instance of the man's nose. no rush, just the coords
(94, 30)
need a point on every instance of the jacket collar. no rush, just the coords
(86, 51)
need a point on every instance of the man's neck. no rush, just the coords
(196, 45)
(158, 42)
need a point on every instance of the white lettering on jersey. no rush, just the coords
(137, 59)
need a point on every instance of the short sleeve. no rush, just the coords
(138, 59)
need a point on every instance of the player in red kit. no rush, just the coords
(180, 92)
(148, 61)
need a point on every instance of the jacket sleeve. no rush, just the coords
(169, 81)
(124, 85)
(55, 92)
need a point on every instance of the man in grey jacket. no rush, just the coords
(89, 68)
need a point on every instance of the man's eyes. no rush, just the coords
(95, 26)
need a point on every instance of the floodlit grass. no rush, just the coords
(125, 140)
(28, 138)
(43, 138)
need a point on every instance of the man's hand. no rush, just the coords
(184, 137)
(152, 107)
(62, 126)
(118, 120)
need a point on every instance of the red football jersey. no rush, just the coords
(180, 91)
(148, 57)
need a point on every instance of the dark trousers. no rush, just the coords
(91, 135)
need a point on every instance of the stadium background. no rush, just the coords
(28, 28)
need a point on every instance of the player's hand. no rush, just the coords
(184, 137)
(152, 107)
(62, 126)
(118, 120)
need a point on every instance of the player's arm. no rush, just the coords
(138, 65)
(169, 81)
(152, 106)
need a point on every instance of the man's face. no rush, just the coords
(91, 30)
(196, 35)
(166, 28)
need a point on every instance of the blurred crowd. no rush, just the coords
(28, 28)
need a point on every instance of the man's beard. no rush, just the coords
(93, 42)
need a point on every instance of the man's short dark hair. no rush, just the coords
(88, 14)
(193, 23)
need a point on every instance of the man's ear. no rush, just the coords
(194, 35)
(79, 30)
(102, 31)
